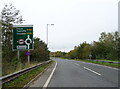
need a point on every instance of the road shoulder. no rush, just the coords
(42, 78)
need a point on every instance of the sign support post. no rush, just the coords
(28, 57)
(18, 54)
(19, 59)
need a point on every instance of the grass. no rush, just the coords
(110, 60)
(15, 67)
(22, 80)
(98, 62)
(107, 64)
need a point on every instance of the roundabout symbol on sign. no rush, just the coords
(28, 41)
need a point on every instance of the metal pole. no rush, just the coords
(18, 54)
(19, 59)
(1, 56)
(47, 35)
(28, 57)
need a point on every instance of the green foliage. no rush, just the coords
(80, 52)
(40, 52)
(84, 50)
(108, 47)
(58, 54)
(9, 16)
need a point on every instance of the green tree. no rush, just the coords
(58, 54)
(98, 50)
(40, 52)
(82, 51)
(9, 16)
(106, 47)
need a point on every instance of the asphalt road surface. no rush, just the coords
(70, 73)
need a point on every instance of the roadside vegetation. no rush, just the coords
(10, 63)
(106, 48)
(98, 62)
(22, 80)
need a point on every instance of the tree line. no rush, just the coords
(107, 47)
(8, 17)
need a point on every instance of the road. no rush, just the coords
(70, 73)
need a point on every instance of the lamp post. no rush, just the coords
(47, 32)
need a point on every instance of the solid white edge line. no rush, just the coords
(49, 78)
(92, 71)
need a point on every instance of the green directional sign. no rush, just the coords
(22, 37)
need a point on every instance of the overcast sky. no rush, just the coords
(75, 21)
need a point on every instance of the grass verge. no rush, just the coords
(14, 67)
(98, 62)
(22, 80)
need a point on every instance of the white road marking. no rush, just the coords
(92, 71)
(49, 78)
(76, 64)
